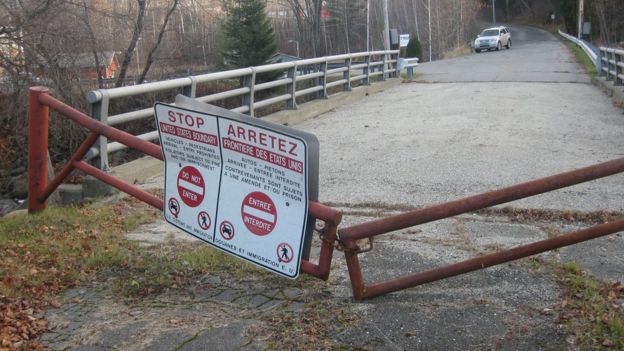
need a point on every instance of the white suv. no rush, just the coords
(493, 38)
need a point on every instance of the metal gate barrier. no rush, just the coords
(347, 239)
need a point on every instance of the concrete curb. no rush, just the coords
(318, 107)
(616, 92)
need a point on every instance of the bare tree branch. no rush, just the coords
(150, 56)
(94, 51)
(138, 28)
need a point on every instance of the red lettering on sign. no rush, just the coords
(199, 137)
(186, 119)
(263, 155)
(264, 139)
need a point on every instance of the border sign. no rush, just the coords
(239, 183)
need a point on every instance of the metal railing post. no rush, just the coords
(602, 59)
(190, 90)
(322, 94)
(395, 57)
(367, 70)
(384, 68)
(292, 87)
(99, 111)
(249, 81)
(347, 74)
(609, 52)
(38, 115)
(618, 68)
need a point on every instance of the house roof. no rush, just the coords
(85, 59)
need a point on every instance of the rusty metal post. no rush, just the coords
(484, 261)
(103, 129)
(358, 285)
(120, 184)
(332, 219)
(476, 202)
(38, 115)
(69, 166)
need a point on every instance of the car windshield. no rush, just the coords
(489, 33)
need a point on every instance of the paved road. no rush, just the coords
(535, 56)
(491, 119)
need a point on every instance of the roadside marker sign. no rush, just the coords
(239, 183)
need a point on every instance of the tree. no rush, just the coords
(413, 48)
(138, 28)
(150, 56)
(248, 36)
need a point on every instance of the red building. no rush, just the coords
(83, 65)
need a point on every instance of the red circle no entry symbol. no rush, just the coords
(285, 253)
(191, 187)
(259, 213)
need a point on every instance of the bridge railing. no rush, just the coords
(587, 48)
(320, 74)
(612, 64)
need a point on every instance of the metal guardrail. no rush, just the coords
(593, 56)
(354, 67)
(612, 64)
(408, 64)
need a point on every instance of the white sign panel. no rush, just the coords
(404, 40)
(236, 185)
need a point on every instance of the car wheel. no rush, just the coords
(498, 46)
(477, 50)
(508, 46)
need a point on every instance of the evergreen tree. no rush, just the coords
(413, 48)
(248, 36)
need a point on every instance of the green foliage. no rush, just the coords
(413, 48)
(569, 12)
(583, 58)
(248, 39)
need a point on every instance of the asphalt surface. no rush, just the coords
(472, 124)
(535, 56)
(467, 125)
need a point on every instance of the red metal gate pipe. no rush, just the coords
(101, 128)
(476, 202)
(489, 260)
(121, 185)
(332, 218)
(69, 166)
(37, 148)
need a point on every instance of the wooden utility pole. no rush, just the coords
(367, 25)
(429, 9)
(386, 26)
(493, 12)
(580, 18)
